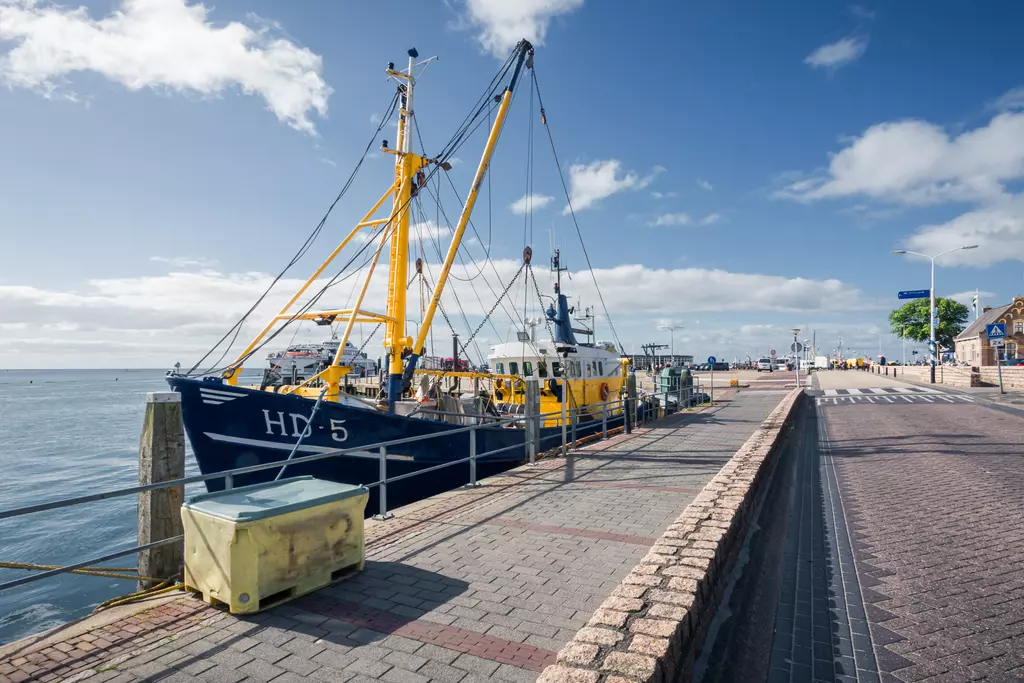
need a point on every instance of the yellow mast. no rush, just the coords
(403, 352)
(524, 49)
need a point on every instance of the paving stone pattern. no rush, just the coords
(478, 584)
(936, 513)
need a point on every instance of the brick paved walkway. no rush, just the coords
(467, 586)
(905, 553)
(936, 511)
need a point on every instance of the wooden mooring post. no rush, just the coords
(161, 458)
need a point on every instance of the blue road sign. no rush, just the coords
(916, 294)
(712, 360)
(996, 331)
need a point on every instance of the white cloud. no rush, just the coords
(663, 195)
(168, 45)
(677, 218)
(704, 185)
(502, 24)
(428, 230)
(916, 162)
(1011, 100)
(967, 298)
(590, 183)
(530, 202)
(683, 219)
(998, 230)
(862, 12)
(325, 160)
(837, 54)
(154, 321)
(671, 322)
(185, 261)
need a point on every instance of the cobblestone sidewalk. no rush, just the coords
(934, 501)
(904, 559)
(472, 585)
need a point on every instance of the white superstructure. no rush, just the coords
(302, 361)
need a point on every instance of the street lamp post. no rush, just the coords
(796, 331)
(931, 312)
(672, 336)
(903, 345)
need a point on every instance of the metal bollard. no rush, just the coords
(604, 421)
(564, 419)
(383, 514)
(472, 459)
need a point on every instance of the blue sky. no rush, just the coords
(739, 168)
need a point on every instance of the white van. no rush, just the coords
(764, 364)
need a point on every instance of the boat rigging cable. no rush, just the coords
(455, 295)
(470, 125)
(236, 328)
(572, 212)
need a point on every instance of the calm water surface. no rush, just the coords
(67, 433)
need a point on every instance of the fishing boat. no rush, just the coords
(231, 425)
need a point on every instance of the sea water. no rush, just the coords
(66, 433)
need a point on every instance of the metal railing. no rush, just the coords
(627, 411)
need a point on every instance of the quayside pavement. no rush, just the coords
(481, 584)
(891, 545)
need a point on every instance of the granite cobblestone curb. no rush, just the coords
(652, 627)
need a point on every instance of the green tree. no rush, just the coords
(913, 315)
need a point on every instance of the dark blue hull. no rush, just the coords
(232, 427)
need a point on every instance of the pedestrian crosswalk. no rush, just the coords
(889, 396)
(881, 390)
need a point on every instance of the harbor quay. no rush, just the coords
(577, 568)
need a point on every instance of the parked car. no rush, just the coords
(721, 366)
(781, 365)
(764, 364)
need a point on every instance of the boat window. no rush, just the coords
(513, 368)
(579, 369)
(527, 368)
(590, 371)
(600, 368)
(542, 369)
(499, 368)
(556, 369)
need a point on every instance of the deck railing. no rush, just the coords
(623, 413)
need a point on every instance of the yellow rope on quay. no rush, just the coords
(129, 574)
(165, 586)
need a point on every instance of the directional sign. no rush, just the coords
(712, 360)
(996, 331)
(915, 294)
(796, 347)
(773, 353)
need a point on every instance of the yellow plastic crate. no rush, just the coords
(255, 546)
